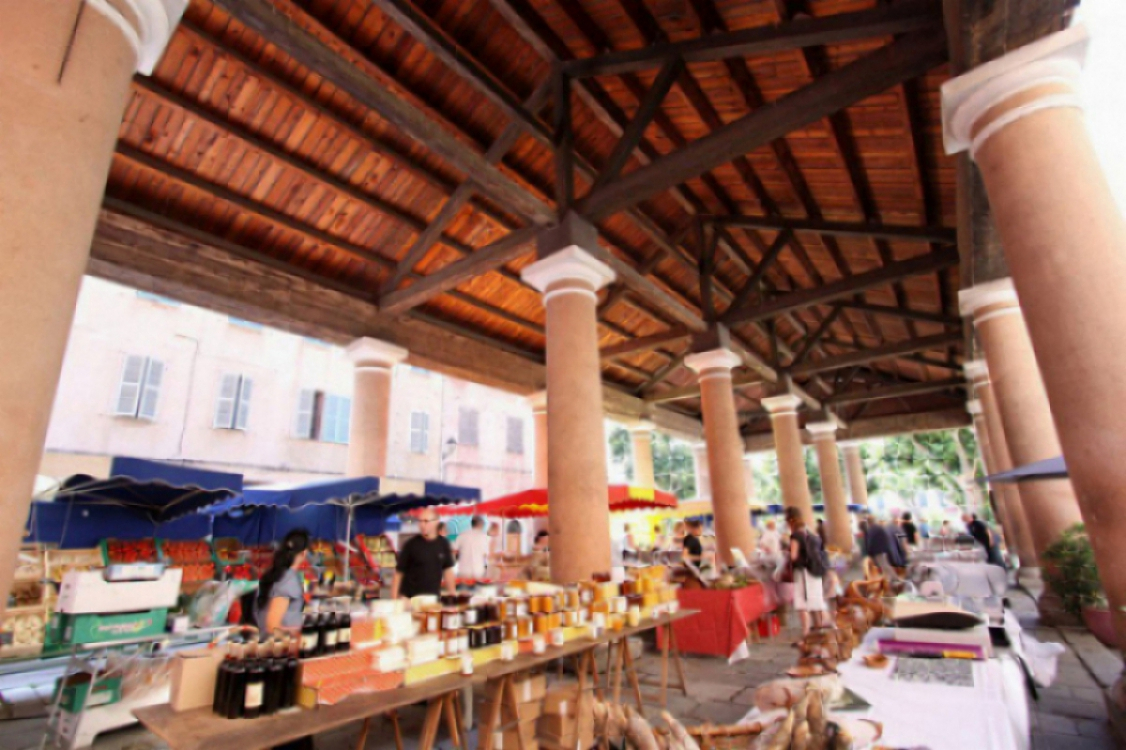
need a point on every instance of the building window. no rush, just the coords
(467, 421)
(150, 297)
(233, 406)
(515, 435)
(323, 416)
(140, 387)
(420, 429)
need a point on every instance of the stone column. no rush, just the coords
(578, 507)
(854, 467)
(1049, 506)
(700, 467)
(837, 527)
(374, 362)
(725, 451)
(1021, 541)
(791, 458)
(1000, 495)
(65, 80)
(641, 440)
(1064, 240)
(539, 417)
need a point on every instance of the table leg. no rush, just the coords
(458, 716)
(631, 673)
(430, 723)
(450, 711)
(618, 663)
(595, 678)
(393, 717)
(677, 662)
(362, 740)
(491, 717)
(665, 663)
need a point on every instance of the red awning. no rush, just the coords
(533, 503)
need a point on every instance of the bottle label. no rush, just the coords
(330, 639)
(344, 635)
(308, 642)
(254, 692)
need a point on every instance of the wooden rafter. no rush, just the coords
(645, 343)
(865, 356)
(938, 235)
(896, 391)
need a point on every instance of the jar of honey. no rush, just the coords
(541, 622)
(534, 605)
(524, 626)
(522, 606)
(570, 618)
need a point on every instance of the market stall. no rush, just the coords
(727, 618)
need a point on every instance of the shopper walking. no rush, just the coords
(472, 549)
(426, 562)
(809, 563)
(281, 597)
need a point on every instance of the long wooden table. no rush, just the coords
(200, 729)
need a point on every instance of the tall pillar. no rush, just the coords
(641, 440)
(538, 401)
(978, 374)
(791, 457)
(700, 468)
(374, 362)
(1049, 506)
(837, 527)
(61, 114)
(725, 451)
(854, 467)
(1001, 501)
(578, 509)
(1064, 240)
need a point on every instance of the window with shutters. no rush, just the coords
(139, 390)
(420, 429)
(515, 435)
(467, 421)
(233, 406)
(307, 411)
(335, 419)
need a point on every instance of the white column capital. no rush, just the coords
(149, 28)
(569, 270)
(822, 430)
(714, 362)
(369, 352)
(787, 403)
(976, 370)
(973, 406)
(538, 402)
(970, 103)
(643, 426)
(997, 297)
(849, 445)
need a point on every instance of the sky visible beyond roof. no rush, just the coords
(1104, 88)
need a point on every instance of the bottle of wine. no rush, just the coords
(223, 682)
(236, 689)
(289, 698)
(332, 628)
(275, 680)
(344, 632)
(309, 636)
(255, 693)
(322, 633)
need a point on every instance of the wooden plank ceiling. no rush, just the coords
(775, 166)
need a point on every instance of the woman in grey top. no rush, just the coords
(281, 597)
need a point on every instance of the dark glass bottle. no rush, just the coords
(236, 687)
(309, 636)
(322, 632)
(255, 693)
(289, 696)
(331, 631)
(223, 683)
(344, 632)
(275, 681)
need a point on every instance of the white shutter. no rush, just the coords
(242, 412)
(150, 392)
(225, 406)
(129, 392)
(467, 426)
(305, 405)
(515, 442)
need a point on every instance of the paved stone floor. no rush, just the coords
(1069, 715)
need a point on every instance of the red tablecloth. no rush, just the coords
(724, 619)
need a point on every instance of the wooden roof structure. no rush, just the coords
(382, 167)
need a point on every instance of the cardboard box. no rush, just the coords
(561, 701)
(194, 674)
(528, 688)
(525, 711)
(568, 730)
(509, 739)
(77, 695)
(89, 628)
(87, 592)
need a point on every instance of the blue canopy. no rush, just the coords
(1049, 468)
(81, 525)
(158, 491)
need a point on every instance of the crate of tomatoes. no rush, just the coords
(125, 551)
(185, 552)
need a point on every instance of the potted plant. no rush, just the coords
(1073, 576)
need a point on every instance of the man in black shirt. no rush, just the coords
(426, 562)
(693, 550)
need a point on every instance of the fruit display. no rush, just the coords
(378, 550)
(227, 551)
(30, 564)
(185, 552)
(119, 551)
(197, 572)
(238, 572)
(59, 562)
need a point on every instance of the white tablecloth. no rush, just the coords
(975, 580)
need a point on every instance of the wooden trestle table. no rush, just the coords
(200, 729)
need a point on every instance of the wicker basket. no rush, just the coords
(722, 736)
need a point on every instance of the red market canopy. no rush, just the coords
(533, 503)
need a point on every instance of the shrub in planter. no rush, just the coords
(1071, 572)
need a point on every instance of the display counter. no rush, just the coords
(725, 620)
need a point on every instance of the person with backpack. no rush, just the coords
(809, 562)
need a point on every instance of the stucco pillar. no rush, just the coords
(700, 468)
(978, 374)
(578, 507)
(1001, 500)
(539, 417)
(791, 458)
(854, 467)
(374, 362)
(1064, 240)
(725, 451)
(641, 441)
(1049, 506)
(837, 527)
(65, 86)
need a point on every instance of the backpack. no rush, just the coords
(814, 557)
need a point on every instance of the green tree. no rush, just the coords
(673, 467)
(621, 453)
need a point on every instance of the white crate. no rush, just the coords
(87, 592)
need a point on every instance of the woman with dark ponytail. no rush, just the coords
(281, 597)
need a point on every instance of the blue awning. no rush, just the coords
(1049, 468)
(160, 491)
(372, 494)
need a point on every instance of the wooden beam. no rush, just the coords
(305, 48)
(653, 294)
(846, 287)
(563, 142)
(506, 249)
(693, 391)
(903, 312)
(813, 338)
(877, 427)
(864, 356)
(751, 285)
(660, 375)
(896, 391)
(882, 21)
(645, 343)
(938, 235)
(909, 56)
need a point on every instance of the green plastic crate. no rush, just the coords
(98, 628)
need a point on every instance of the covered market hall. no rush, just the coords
(764, 226)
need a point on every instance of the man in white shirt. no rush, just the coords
(473, 550)
(770, 541)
